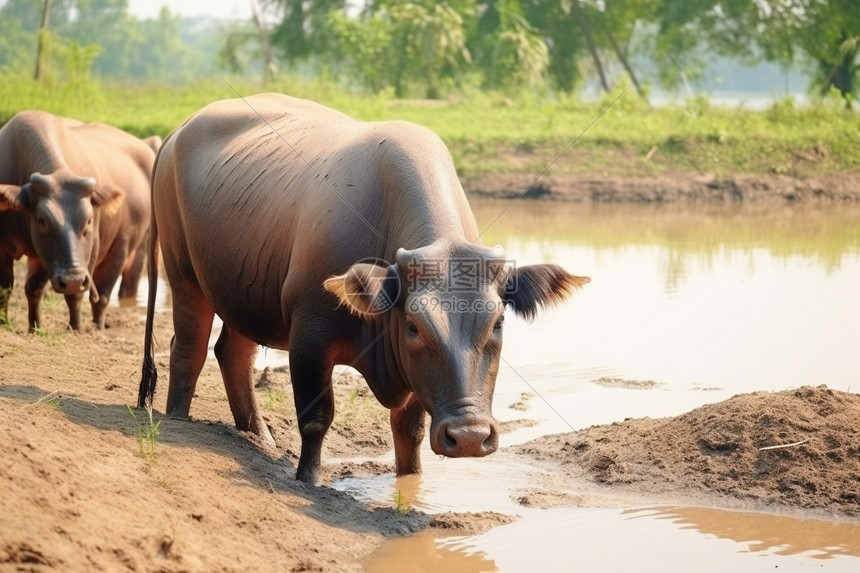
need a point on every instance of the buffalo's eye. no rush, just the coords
(411, 328)
(87, 227)
(498, 325)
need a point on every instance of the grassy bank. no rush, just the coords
(492, 133)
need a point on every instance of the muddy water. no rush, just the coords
(686, 306)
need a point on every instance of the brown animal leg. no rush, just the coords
(73, 301)
(192, 323)
(105, 278)
(131, 275)
(407, 427)
(34, 288)
(235, 355)
(310, 370)
(7, 281)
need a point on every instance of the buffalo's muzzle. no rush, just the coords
(70, 283)
(471, 436)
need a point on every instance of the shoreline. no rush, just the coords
(775, 189)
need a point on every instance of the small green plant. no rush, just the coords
(274, 398)
(147, 434)
(52, 400)
(400, 504)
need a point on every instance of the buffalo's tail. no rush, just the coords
(149, 372)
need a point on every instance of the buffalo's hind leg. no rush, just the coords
(235, 355)
(192, 324)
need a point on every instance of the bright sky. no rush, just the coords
(237, 9)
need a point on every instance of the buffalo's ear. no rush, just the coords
(108, 198)
(13, 197)
(366, 289)
(537, 286)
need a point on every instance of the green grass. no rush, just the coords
(400, 503)
(492, 133)
(147, 434)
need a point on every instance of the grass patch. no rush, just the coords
(490, 133)
(400, 503)
(147, 435)
(52, 400)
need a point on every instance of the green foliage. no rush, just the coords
(147, 434)
(403, 45)
(400, 503)
(490, 132)
(52, 400)
(98, 36)
(824, 34)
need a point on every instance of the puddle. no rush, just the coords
(657, 539)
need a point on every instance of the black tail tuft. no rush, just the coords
(148, 379)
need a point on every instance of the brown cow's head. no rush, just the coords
(61, 212)
(443, 306)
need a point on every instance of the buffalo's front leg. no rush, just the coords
(407, 428)
(235, 355)
(310, 370)
(192, 324)
(34, 288)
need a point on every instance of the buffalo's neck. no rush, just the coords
(377, 360)
(15, 237)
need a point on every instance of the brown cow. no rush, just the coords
(74, 198)
(345, 243)
(153, 141)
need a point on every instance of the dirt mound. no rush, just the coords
(795, 448)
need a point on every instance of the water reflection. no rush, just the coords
(779, 535)
(643, 539)
(425, 553)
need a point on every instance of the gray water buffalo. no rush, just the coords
(343, 242)
(74, 199)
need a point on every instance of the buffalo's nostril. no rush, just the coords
(85, 284)
(62, 283)
(449, 442)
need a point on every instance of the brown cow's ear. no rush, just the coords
(538, 286)
(108, 198)
(12, 198)
(366, 289)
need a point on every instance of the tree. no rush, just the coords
(304, 29)
(405, 44)
(822, 34)
(509, 51)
